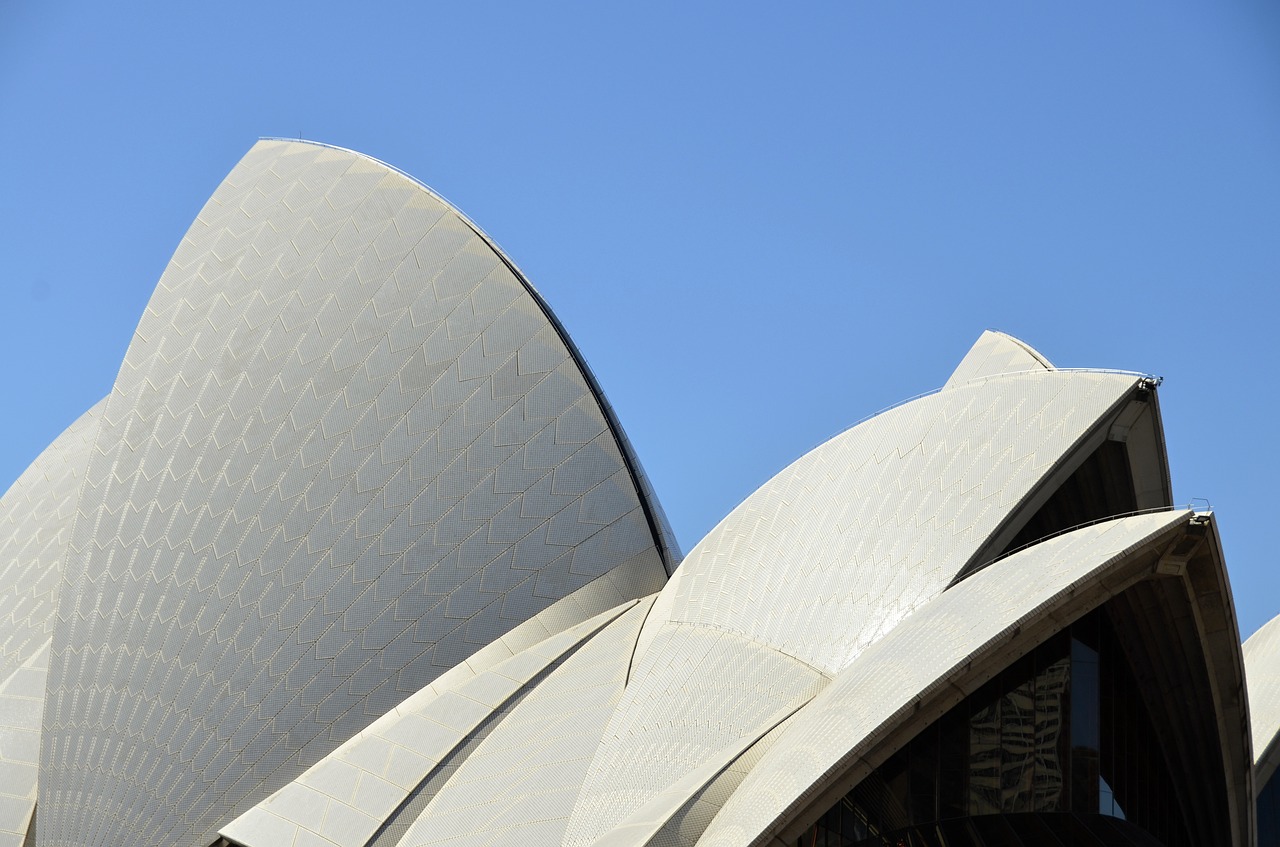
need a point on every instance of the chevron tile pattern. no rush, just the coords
(649, 824)
(687, 825)
(405, 757)
(841, 546)
(347, 448)
(21, 702)
(36, 514)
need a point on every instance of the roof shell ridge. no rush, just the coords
(771, 516)
(1033, 352)
(659, 525)
(997, 352)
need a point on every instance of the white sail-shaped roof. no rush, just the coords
(789, 591)
(348, 447)
(35, 526)
(824, 560)
(356, 554)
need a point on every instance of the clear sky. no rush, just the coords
(759, 222)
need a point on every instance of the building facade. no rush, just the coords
(355, 553)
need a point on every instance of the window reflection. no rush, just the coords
(1062, 730)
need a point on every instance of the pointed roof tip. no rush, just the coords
(995, 353)
(1031, 351)
(655, 516)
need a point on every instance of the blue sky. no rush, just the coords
(760, 222)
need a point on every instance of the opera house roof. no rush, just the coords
(356, 553)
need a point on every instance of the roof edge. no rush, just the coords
(655, 516)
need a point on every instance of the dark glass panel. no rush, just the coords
(1052, 741)
(890, 812)
(1035, 829)
(1269, 815)
(953, 764)
(923, 768)
(1064, 729)
(1050, 829)
(1101, 487)
(1017, 745)
(959, 833)
(995, 831)
(1133, 763)
(984, 758)
(1085, 729)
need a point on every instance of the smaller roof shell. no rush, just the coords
(1262, 670)
(841, 546)
(997, 353)
(945, 650)
(36, 514)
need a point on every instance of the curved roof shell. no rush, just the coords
(841, 546)
(1262, 668)
(825, 560)
(373, 774)
(35, 526)
(949, 647)
(830, 558)
(997, 353)
(360, 556)
(347, 448)
(36, 514)
(518, 783)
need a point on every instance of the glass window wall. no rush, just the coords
(1062, 730)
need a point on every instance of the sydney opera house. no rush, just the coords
(356, 554)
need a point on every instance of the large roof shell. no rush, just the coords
(354, 470)
(347, 448)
